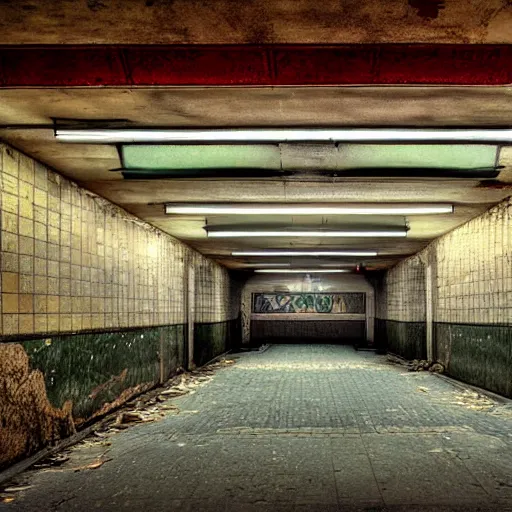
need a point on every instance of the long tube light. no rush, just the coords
(266, 265)
(227, 233)
(304, 253)
(301, 271)
(304, 209)
(335, 265)
(276, 135)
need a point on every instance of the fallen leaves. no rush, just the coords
(8, 494)
(474, 400)
(52, 461)
(17, 488)
(154, 405)
(92, 465)
(151, 406)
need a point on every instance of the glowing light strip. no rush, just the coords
(303, 253)
(275, 135)
(301, 271)
(265, 265)
(221, 233)
(302, 209)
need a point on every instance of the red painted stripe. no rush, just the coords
(280, 65)
(61, 67)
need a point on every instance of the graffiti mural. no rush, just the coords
(332, 303)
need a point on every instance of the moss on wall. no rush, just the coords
(92, 369)
(28, 420)
(477, 354)
(213, 339)
(49, 386)
(406, 339)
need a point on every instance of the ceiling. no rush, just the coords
(261, 22)
(27, 113)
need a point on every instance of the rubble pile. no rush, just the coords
(418, 365)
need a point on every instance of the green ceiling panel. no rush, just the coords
(359, 160)
(437, 156)
(167, 157)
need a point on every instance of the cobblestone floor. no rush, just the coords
(299, 427)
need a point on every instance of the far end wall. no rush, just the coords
(336, 322)
(452, 302)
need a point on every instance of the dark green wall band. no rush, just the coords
(51, 385)
(321, 331)
(477, 354)
(213, 339)
(94, 369)
(405, 339)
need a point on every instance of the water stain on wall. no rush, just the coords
(27, 419)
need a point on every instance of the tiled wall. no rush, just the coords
(93, 306)
(472, 275)
(72, 261)
(404, 292)
(474, 270)
(471, 301)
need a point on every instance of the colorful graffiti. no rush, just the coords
(332, 303)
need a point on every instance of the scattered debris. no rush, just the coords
(52, 461)
(417, 365)
(421, 365)
(8, 494)
(475, 401)
(129, 417)
(436, 368)
(503, 410)
(395, 360)
(17, 488)
(92, 465)
(423, 390)
(154, 405)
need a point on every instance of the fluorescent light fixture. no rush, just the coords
(333, 233)
(168, 157)
(336, 265)
(445, 157)
(304, 253)
(266, 265)
(276, 135)
(304, 209)
(301, 271)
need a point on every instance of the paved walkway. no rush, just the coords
(299, 427)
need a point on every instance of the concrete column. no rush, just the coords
(370, 317)
(191, 295)
(429, 313)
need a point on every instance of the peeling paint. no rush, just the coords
(27, 419)
(106, 385)
(47, 389)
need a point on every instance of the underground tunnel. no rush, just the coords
(255, 257)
